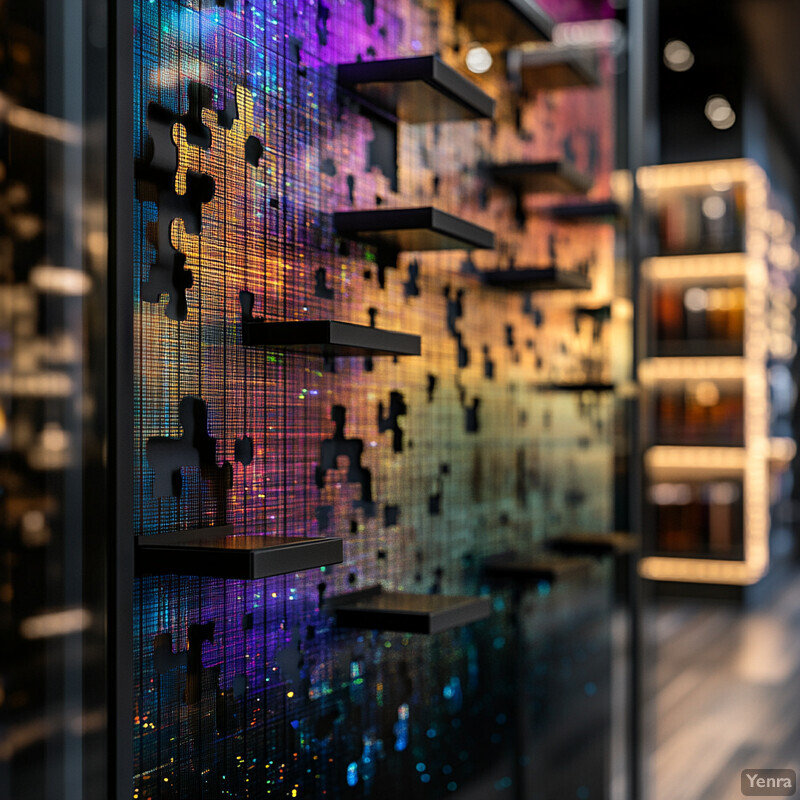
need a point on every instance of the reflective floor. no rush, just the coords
(727, 695)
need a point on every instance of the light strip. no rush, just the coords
(698, 174)
(716, 266)
(692, 459)
(713, 368)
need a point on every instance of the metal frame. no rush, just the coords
(120, 401)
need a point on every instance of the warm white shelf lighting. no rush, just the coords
(712, 368)
(717, 266)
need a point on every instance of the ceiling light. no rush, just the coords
(479, 60)
(719, 112)
(714, 207)
(678, 56)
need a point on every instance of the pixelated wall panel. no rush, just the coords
(244, 148)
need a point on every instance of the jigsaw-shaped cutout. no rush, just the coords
(411, 287)
(391, 515)
(455, 310)
(193, 448)
(352, 449)
(165, 660)
(435, 499)
(323, 516)
(391, 422)
(323, 14)
(157, 181)
(488, 364)
(430, 389)
(243, 450)
(290, 659)
(321, 288)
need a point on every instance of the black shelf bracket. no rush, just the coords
(329, 338)
(536, 279)
(378, 609)
(217, 552)
(505, 21)
(412, 229)
(420, 89)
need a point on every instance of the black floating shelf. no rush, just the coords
(377, 609)
(412, 229)
(595, 544)
(329, 338)
(217, 553)
(550, 66)
(541, 177)
(589, 386)
(417, 89)
(518, 568)
(592, 209)
(505, 21)
(533, 279)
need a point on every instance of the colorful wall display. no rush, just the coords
(245, 147)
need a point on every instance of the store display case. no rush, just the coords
(710, 335)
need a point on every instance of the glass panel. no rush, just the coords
(52, 399)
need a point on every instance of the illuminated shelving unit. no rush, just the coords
(709, 335)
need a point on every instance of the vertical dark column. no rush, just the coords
(120, 407)
(642, 141)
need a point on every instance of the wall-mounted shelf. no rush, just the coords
(412, 229)
(505, 21)
(417, 89)
(377, 609)
(590, 209)
(533, 279)
(520, 568)
(589, 386)
(550, 66)
(217, 553)
(329, 338)
(594, 544)
(541, 177)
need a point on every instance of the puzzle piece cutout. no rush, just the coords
(165, 660)
(171, 176)
(390, 422)
(193, 448)
(176, 195)
(353, 449)
(455, 310)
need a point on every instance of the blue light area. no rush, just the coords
(425, 778)
(499, 643)
(543, 589)
(583, 793)
(503, 783)
(590, 688)
(431, 733)
(421, 767)
(452, 786)
(352, 773)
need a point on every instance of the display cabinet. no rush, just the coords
(711, 335)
